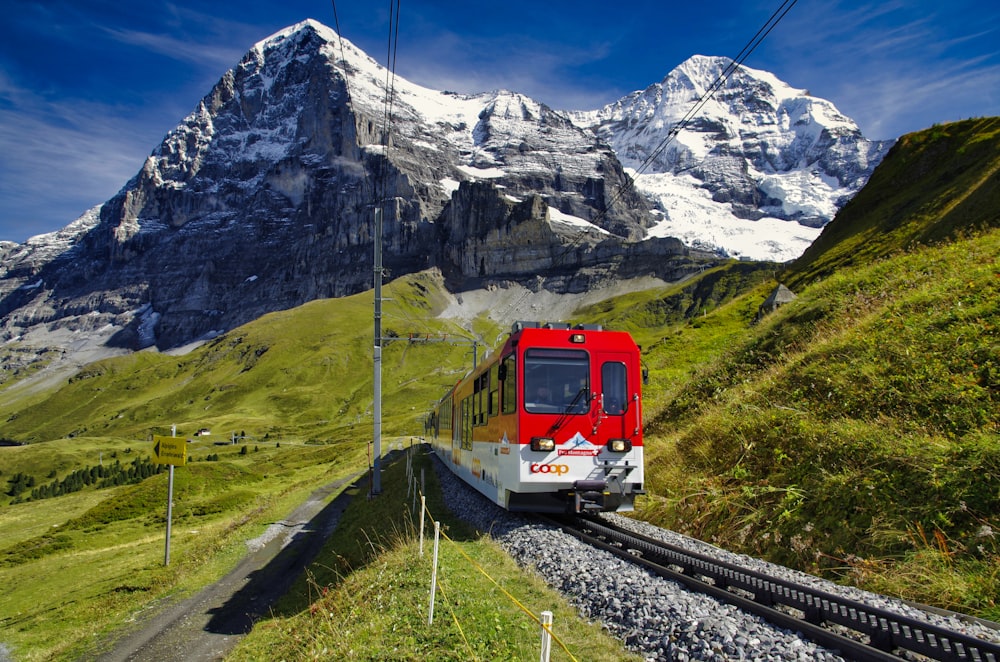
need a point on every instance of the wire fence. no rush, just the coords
(542, 620)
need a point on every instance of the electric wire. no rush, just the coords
(387, 106)
(375, 191)
(365, 182)
(719, 82)
(716, 85)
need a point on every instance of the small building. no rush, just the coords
(778, 297)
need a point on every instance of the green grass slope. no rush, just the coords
(854, 432)
(304, 373)
(78, 567)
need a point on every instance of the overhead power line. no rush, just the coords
(719, 81)
(716, 85)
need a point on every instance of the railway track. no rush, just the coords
(859, 631)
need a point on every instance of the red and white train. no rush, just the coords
(552, 422)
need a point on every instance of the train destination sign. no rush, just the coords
(170, 450)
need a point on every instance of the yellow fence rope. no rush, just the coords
(454, 617)
(513, 599)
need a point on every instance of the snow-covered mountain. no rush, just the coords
(755, 155)
(262, 198)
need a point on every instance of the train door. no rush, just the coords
(618, 408)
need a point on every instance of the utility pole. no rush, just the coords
(376, 483)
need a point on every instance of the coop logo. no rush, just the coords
(557, 469)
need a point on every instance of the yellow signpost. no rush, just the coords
(170, 450)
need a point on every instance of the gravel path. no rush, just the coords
(211, 623)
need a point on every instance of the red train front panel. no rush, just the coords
(552, 422)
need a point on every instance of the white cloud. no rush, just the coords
(206, 56)
(893, 67)
(60, 159)
(448, 61)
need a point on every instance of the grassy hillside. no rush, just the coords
(303, 374)
(75, 568)
(854, 432)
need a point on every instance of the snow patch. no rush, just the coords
(692, 216)
(482, 173)
(568, 220)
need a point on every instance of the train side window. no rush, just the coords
(445, 420)
(482, 397)
(494, 390)
(614, 388)
(509, 374)
(466, 438)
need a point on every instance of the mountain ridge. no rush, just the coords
(261, 198)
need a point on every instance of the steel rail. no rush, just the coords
(886, 631)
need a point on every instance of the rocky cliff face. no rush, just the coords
(263, 198)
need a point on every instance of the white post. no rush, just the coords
(422, 502)
(546, 636)
(434, 573)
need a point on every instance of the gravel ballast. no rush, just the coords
(655, 617)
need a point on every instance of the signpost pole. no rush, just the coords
(170, 510)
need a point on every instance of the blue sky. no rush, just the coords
(89, 88)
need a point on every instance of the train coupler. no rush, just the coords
(588, 496)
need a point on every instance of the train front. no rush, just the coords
(580, 421)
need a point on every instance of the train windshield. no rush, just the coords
(556, 381)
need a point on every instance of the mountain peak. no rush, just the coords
(755, 149)
(308, 25)
(262, 197)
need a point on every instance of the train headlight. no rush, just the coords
(544, 444)
(619, 445)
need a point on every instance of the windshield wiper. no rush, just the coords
(564, 416)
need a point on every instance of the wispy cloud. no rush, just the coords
(524, 64)
(892, 67)
(61, 159)
(63, 151)
(184, 49)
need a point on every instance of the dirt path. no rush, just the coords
(210, 624)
